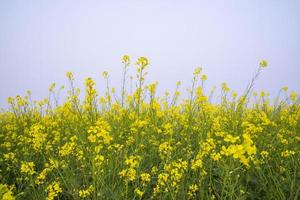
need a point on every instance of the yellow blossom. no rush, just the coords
(27, 168)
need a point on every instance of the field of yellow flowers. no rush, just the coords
(144, 146)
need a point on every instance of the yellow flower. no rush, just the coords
(67, 149)
(10, 157)
(105, 74)
(197, 71)
(165, 150)
(216, 156)
(138, 192)
(42, 176)
(128, 174)
(100, 132)
(87, 192)
(204, 77)
(27, 168)
(263, 63)
(6, 193)
(70, 75)
(171, 176)
(264, 154)
(293, 96)
(285, 88)
(51, 88)
(224, 87)
(142, 62)
(192, 190)
(37, 136)
(287, 153)
(125, 59)
(99, 158)
(230, 138)
(132, 161)
(145, 177)
(10, 100)
(53, 190)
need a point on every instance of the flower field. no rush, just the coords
(139, 145)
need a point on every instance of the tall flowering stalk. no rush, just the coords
(126, 62)
(142, 63)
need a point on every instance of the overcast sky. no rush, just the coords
(41, 40)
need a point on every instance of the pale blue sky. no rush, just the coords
(41, 40)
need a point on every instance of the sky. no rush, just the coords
(41, 40)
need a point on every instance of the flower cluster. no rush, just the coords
(142, 145)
